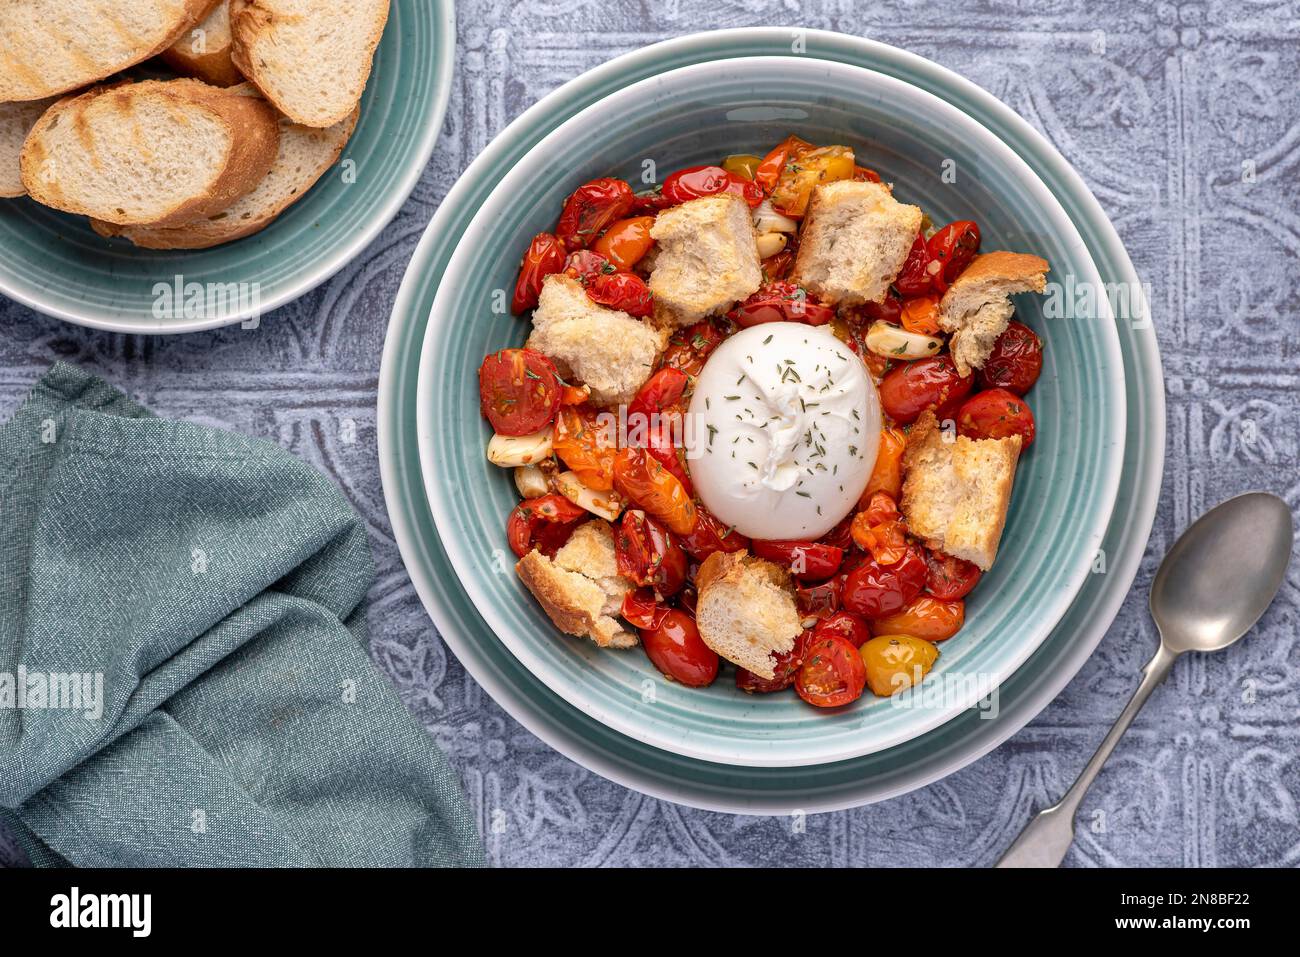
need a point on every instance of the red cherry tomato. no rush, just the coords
(1015, 362)
(709, 535)
(698, 181)
(996, 414)
(949, 578)
(818, 600)
(585, 266)
(841, 536)
(654, 421)
(832, 673)
(924, 617)
(545, 523)
(659, 393)
(641, 610)
(545, 256)
(873, 590)
(675, 647)
(518, 390)
(890, 311)
(843, 624)
(912, 388)
(952, 248)
(863, 175)
(786, 667)
(914, 278)
(649, 202)
(807, 561)
(690, 347)
(622, 290)
(643, 479)
(590, 209)
(781, 302)
(646, 554)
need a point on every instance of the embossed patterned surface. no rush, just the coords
(1182, 119)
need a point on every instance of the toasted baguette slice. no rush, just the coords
(746, 610)
(580, 589)
(706, 260)
(609, 351)
(956, 490)
(311, 58)
(49, 47)
(157, 153)
(855, 240)
(204, 51)
(976, 307)
(16, 121)
(305, 154)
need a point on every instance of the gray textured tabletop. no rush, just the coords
(1162, 124)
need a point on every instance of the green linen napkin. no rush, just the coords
(211, 586)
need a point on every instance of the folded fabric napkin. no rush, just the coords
(183, 674)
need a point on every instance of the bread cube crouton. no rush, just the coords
(581, 589)
(707, 258)
(956, 490)
(746, 610)
(609, 351)
(976, 307)
(855, 239)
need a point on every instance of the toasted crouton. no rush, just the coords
(956, 490)
(746, 610)
(855, 240)
(609, 351)
(976, 307)
(707, 258)
(581, 589)
(16, 121)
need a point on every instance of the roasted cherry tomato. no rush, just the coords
(921, 315)
(590, 209)
(914, 278)
(544, 522)
(622, 290)
(924, 617)
(887, 473)
(807, 561)
(709, 535)
(841, 536)
(818, 600)
(996, 414)
(890, 310)
(675, 647)
(585, 265)
(647, 555)
(884, 540)
(697, 181)
(778, 266)
(690, 347)
(574, 394)
(801, 175)
(649, 202)
(843, 624)
(864, 175)
(659, 393)
(948, 578)
(912, 388)
(952, 249)
(896, 662)
(786, 666)
(743, 165)
(769, 170)
(781, 302)
(641, 610)
(832, 673)
(642, 479)
(518, 391)
(586, 445)
(654, 421)
(545, 256)
(626, 241)
(1015, 362)
(873, 590)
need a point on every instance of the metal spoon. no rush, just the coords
(1215, 583)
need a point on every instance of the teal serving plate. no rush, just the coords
(54, 263)
(718, 784)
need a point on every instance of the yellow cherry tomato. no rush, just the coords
(895, 662)
(794, 187)
(742, 164)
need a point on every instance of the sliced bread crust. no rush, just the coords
(976, 308)
(49, 47)
(16, 121)
(304, 156)
(309, 57)
(204, 51)
(158, 153)
(957, 490)
(746, 610)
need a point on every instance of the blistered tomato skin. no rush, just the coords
(873, 590)
(1015, 362)
(832, 674)
(785, 669)
(544, 522)
(896, 662)
(846, 625)
(926, 384)
(709, 535)
(519, 391)
(544, 257)
(590, 209)
(948, 578)
(675, 647)
(647, 554)
(924, 617)
(996, 414)
(807, 561)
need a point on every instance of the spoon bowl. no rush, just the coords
(1222, 573)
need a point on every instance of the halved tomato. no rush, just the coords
(519, 391)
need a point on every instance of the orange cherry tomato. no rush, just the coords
(804, 172)
(642, 478)
(626, 241)
(924, 617)
(895, 662)
(574, 394)
(887, 473)
(586, 445)
(832, 673)
(921, 315)
(769, 170)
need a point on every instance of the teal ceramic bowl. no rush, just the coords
(1065, 487)
(56, 264)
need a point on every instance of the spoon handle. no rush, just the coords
(1047, 837)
